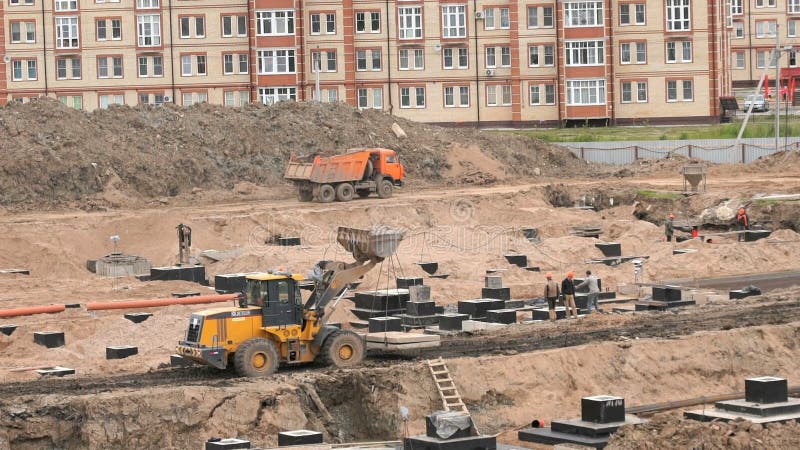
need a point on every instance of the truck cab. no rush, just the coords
(387, 163)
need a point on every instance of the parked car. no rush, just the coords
(760, 104)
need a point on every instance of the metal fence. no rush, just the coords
(712, 150)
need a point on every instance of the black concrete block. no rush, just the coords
(56, 371)
(579, 427)
(418, 321)
(550, 437)
(138, 317)
(441, 276)
(180, 361)
(517, 260)
(384, 324)
(439, 309)
(405, 282)
(423, 442)
(121, 351)
(8, 330)
(299, 437)
(228, 283)
(391, 299)
(430, 430)
(503, 293)
(185, 294)
(544, 313)
(506, 316)
(511, 304)
(743, 293)
(754, 235)
(226, 444)
(194, 273)
(366, 314)
(683, 251)
(603, 409)
(429, 267)
(581, 300)
(451, 322)
(493, 281)
(419, 293)
(766, 389)
(72, 305)
(288, 241)
(50, 339)
(607, 295)
(666, 293)
(421, 308)
(533, 269)
(530, 233)
(609, 249)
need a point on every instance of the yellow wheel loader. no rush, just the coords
(272, 325)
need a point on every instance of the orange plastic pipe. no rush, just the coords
(31, 310)
(130, 304)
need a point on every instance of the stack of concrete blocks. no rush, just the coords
(493, 289)
(462, 439)
(478, 309)
(381, 303)
(601, 416)
(420, 309)
(664, 297)
(766, 401)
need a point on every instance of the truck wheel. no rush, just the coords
(363, 193)
(343, 349)
(344, 192)
(256, 357)
(326, 193)
(305, 195)
(385, 189)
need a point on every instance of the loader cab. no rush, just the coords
(278, 296)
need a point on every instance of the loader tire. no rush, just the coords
(385, 188)
(326, 193)
(256, 357)
(344, 192)
(344, 349)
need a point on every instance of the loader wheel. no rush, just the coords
(326, 193)
(344, 192)
(256, 357)
(385, 188)
(363, 193)
(344, 349)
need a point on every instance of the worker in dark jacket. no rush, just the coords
(568, 290)
(551, 295)
(669, 227)
(742, 222)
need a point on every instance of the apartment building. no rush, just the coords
(756, 25)
(519, 63)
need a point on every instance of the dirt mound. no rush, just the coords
(778, 160)
(671, 431)
(54, 155)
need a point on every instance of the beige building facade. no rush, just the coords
(495, 63)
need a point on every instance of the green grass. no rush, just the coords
(759, 127)
(658, 195)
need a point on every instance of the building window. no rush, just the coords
(791, 28)
(679, 51)
(368, 60)
(151, 99)
(272, 61)
(491, 56)
(275, 22)
(586, 92)
(739, 57)
(412, 59)
(73, 101)
(736, 7)
(109, 67)
(633, 52)
(680, 90)
(410, 22)
(193, 66)
(370, 98)
(498, 95)
(23, 69)
(535, 94)
(632, 14)
(330, 95)
(191, 98)
(679, 17)
(549, 55)
(455, 58)
(20, 2)
(764, 57)
(533, 17)
(109, 29)
(65, 5)
(147, 4)
(533, 56)
(271, 95)
(625, 53)
(634, 91)
(456, 97)
(67, 35)
(496, 18)
(323, 23)
(234, 26)
(329, 63)
(738, 30)
(766, 28)
(149, 30)
(150, 66)
(193, 27)
(412, 97)
(765, 3)
(583, 14)
(535, 97)
(234, 63)
(68, 68)
(368, 22)
(236, 98)
(793, 6)
(454, 21)
(584, 53)
(23, 32)
(111, 99)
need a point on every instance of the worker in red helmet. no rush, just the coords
(669, 227)
(551, 293)
(742, 223)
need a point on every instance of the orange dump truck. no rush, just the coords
(341, 177)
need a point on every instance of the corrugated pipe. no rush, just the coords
(31, 310)
(131, 304)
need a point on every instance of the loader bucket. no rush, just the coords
(377, 243)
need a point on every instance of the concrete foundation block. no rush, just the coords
(384, 324)
(384, 299)
(49, 339)
(477, 308)
(195, 273)
(609, 295)
(421, 308)
(229, 283)
(609, 249)
(451, 322)
(754, 235)
(423, 442)
(429, 267)
(505, 316)
(511, 304)
(405, 282)
(530, 233)
(666, 293)
(299, 437)
(366, 314)
(502, 293)
(121, 351)
(743, 293)
(517, 260)
(72, 305)
(766, 389)
(430, 428)
(603, 409)
(412, 322)
(533, 268)
(419, 293)
(226, 444)
(476, 325)
(138, 317)
(544, 313)
(288, 241)
(56, 371)
(493, 281)
(441, 276)
(9, 329)
(185, 294)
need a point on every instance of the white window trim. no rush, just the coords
(599, 88)
(454, 12)
(154, 20)
(574, 47)
(367, 22)
(679, 6)
(414, 14)
(456, 97)
(583, 8)
(291, 55)
(261, 20)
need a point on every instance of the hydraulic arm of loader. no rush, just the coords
(369, 247)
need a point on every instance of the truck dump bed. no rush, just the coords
(333, 169)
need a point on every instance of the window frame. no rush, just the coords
(599, 87)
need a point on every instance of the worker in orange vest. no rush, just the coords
(742, 223)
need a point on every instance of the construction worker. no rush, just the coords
(568, 291)
(742, 223)
(594, 291)
(669, 227)
(551, 293)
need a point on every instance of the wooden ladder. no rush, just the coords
(447, 388)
